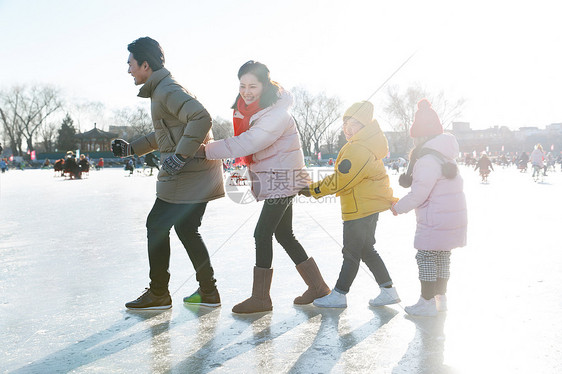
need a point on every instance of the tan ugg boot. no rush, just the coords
(260, 300)
(312, 277)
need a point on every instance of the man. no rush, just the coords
(185, 183)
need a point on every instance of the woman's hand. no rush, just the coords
(200, 153)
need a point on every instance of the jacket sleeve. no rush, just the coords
(348, 172)
(145, 144)
(262, 134)
(426, 173)
(190, 111)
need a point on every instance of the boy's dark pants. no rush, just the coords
(186, 219)
(358, 244)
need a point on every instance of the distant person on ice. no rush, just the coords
(485, 166)
(266, 137)
(437, 196)
(130, 166)
(84, 164)
(185, 184)
(361, 182)
(537, 160)
(71, 166)
(522, 162)
(151, 161)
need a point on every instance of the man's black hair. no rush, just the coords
(147, 49)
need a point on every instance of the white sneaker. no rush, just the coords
(332, 300)
(423, 308)
(386, 297)
(441, 303)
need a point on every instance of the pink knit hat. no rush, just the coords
(426, 121)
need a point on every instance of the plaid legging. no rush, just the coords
(433, 265)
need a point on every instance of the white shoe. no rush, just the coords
(386, 297)
(423, 308)
(332, 300)
(441, 303)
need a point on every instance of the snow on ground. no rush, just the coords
(74, 251)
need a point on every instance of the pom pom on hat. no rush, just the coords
(426, 121)
(361, 111)
(424, 104)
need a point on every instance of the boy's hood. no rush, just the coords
(372, 138)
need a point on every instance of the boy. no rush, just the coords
(361, 182)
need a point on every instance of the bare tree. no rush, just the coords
(314, 115)
(222, 128)
(332, 139)
(87, 113)
(302, 112)
(24, 111)
(48, 136)
(448, 111)
(401, 108)
(137, 121)
(41, 103)
(9, 106)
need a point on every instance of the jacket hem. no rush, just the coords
(206, 200)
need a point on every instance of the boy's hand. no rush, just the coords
(305, 191)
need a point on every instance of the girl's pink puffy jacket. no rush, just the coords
(439, 202)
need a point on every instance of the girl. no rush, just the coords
(437, 196)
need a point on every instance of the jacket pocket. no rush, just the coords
(350, 205)
(168, 134)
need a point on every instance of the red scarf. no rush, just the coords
(243, 124)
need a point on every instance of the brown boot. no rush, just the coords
(312, 277)
(260, 300)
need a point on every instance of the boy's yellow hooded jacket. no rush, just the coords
(360, 178)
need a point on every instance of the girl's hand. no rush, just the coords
(392, 209)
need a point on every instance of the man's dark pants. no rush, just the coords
(186, 219)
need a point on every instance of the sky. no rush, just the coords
(502, 57)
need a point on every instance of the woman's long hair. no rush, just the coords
(271, 89)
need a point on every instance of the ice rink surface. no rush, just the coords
(74, 251)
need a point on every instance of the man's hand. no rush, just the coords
(173, 164)
(305, 191)
(121, 148)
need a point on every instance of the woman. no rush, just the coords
(266, 138)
